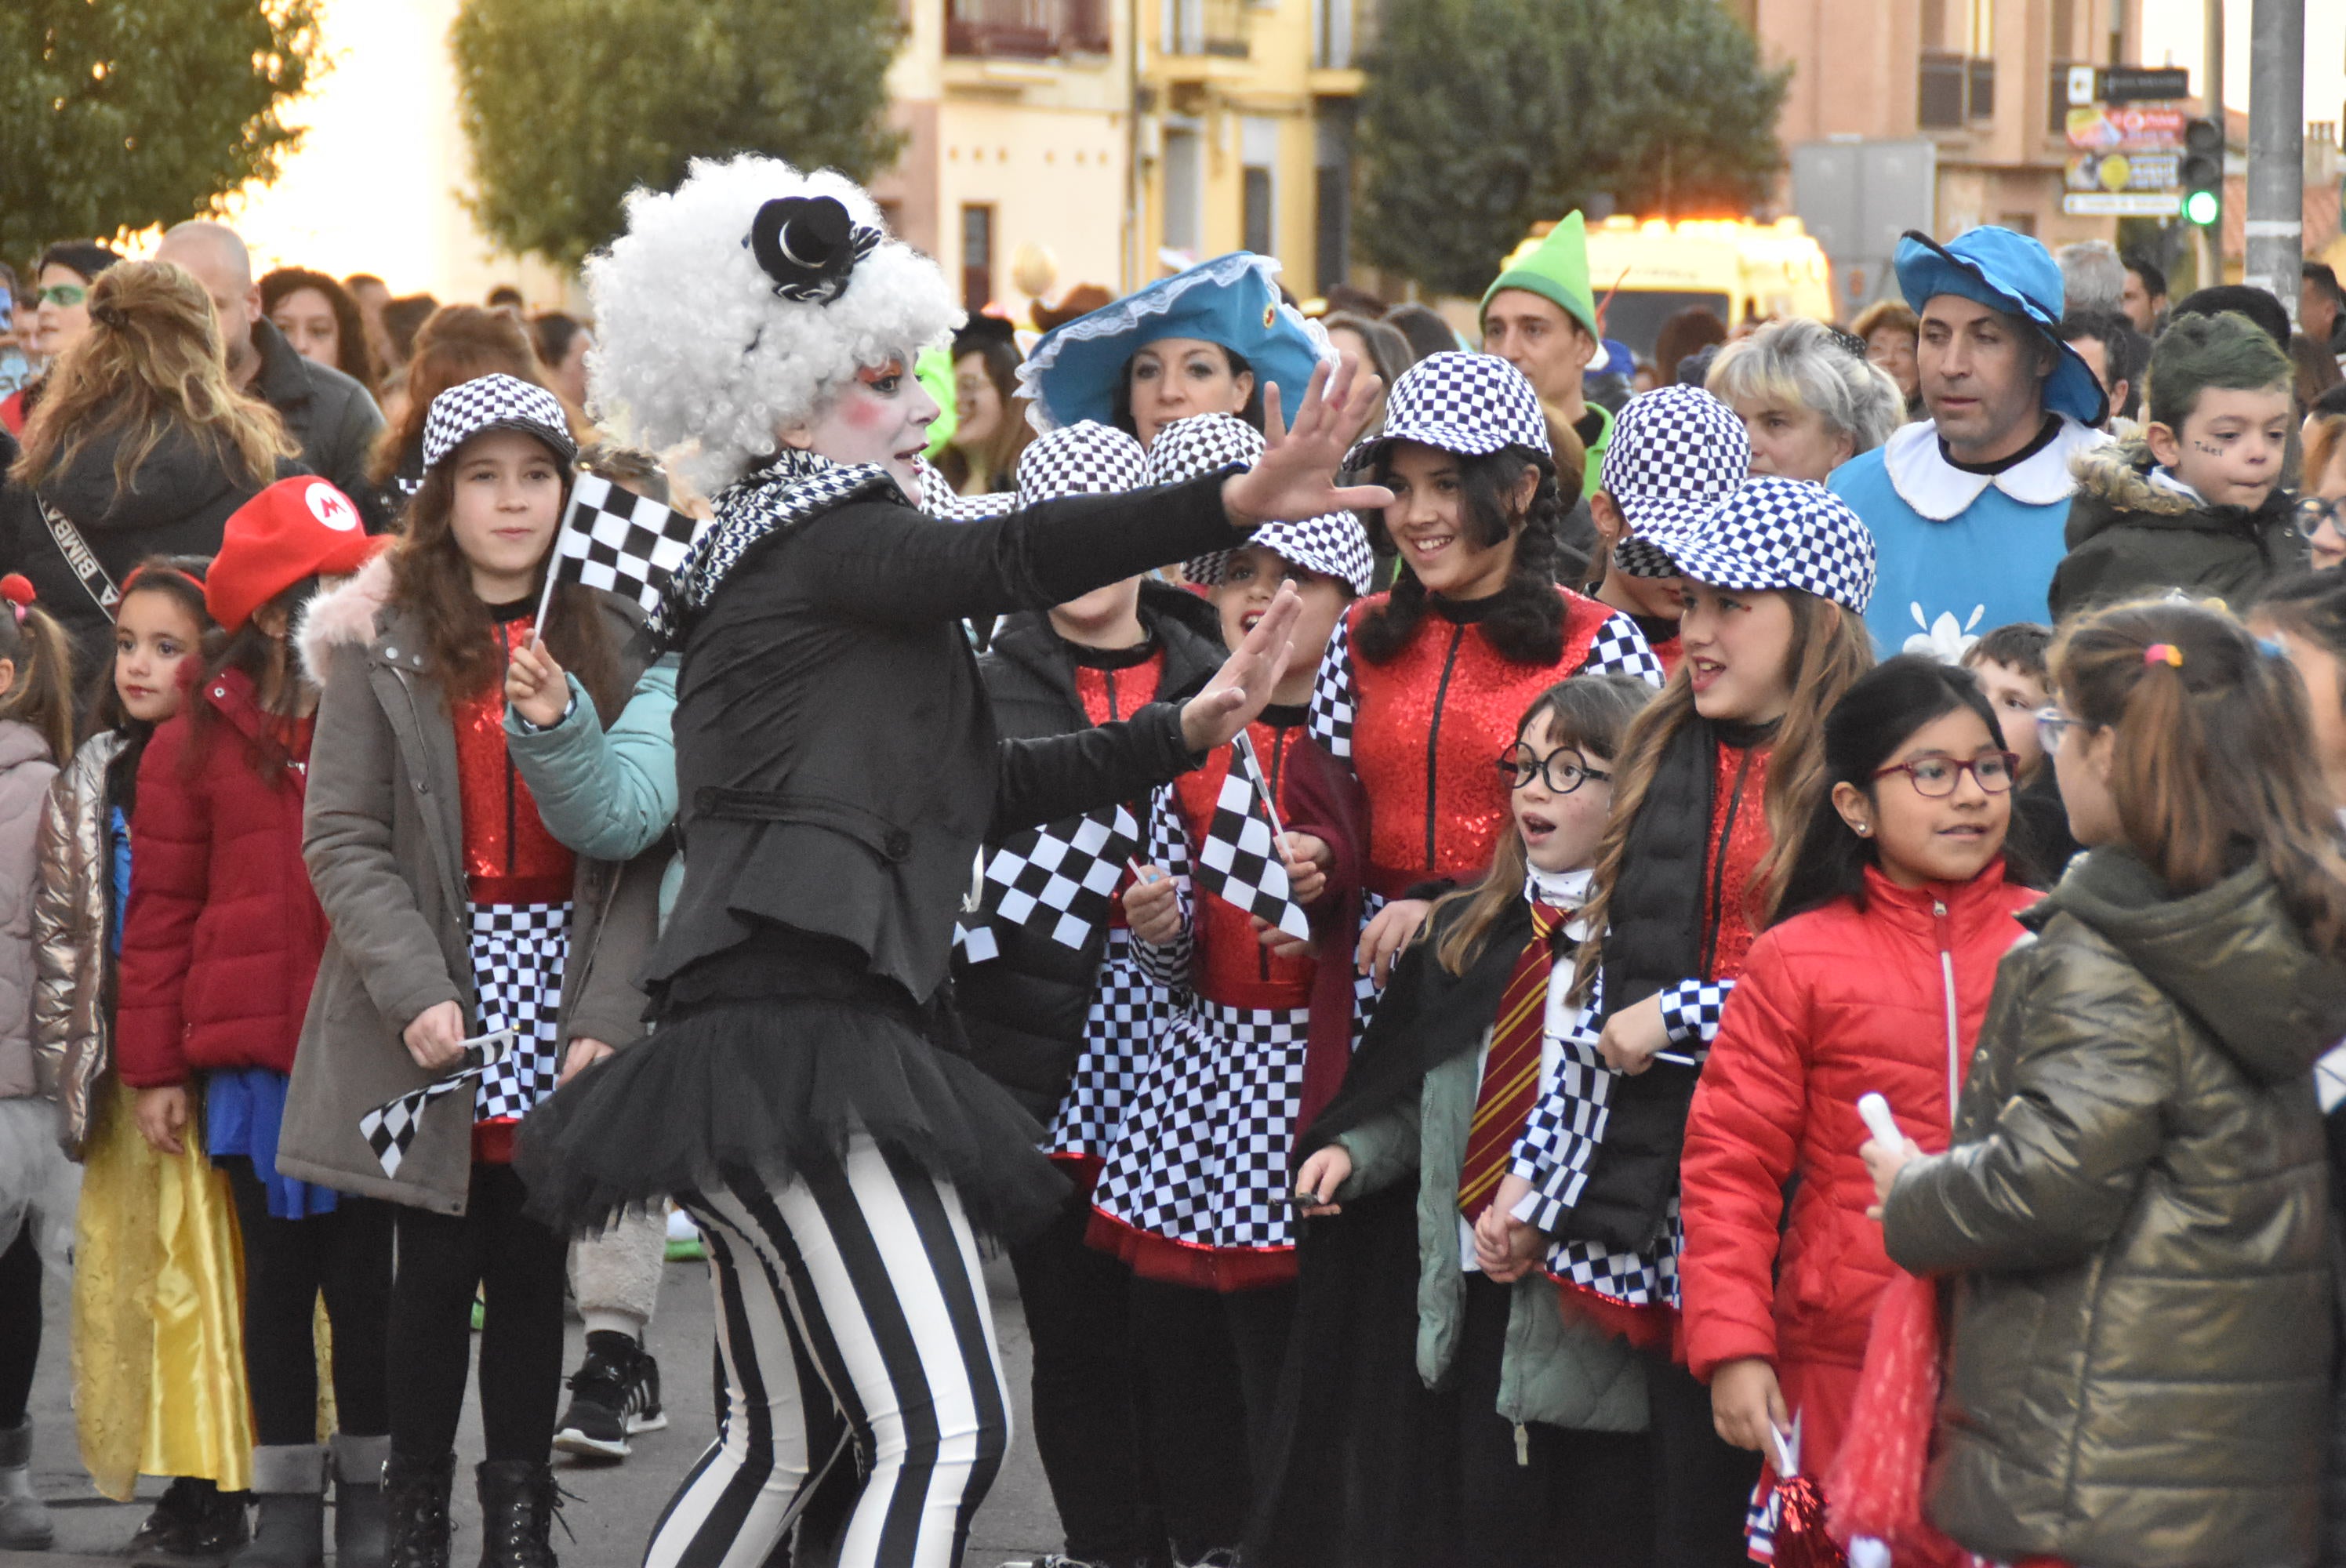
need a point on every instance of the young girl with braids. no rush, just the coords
(1715, 785)
(1422, 686)
(160, 1397)
(35, 1183)
(2133, 1214)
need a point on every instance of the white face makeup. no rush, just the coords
(882, 416)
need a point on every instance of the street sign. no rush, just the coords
(2141, 84)
(2122, 203)
(2143, 127)
(2123, 171)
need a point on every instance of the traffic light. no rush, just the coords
(2200, 172)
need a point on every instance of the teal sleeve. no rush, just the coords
(1385, 1150)
(608, 795)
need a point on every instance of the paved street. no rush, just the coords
(616, 1503)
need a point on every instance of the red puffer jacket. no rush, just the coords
(221, 940)
(1832, 1004)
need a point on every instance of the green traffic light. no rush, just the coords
(2203, 207)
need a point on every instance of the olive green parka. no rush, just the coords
(2135, 1214)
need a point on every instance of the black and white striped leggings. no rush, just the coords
(853, 1291)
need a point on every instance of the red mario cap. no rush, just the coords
(296, 528)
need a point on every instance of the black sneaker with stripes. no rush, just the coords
(614, 1395)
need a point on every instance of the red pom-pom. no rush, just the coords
(17, 588)
(1802, 1539)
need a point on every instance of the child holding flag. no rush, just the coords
(1195, 1193)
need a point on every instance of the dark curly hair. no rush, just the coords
(1527, 625)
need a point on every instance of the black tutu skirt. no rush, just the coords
(772, 1087)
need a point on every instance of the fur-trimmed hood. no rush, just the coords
(2114, 485)
(348, 614)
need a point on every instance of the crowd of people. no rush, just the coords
(1377, 864)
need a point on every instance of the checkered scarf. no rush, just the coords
(791, 490)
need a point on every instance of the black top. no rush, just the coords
(837, 761)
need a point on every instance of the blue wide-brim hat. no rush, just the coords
(2014, 273)
(1073, 372)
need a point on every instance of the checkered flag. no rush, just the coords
(618, 541)
(1239, 862)
(1057, 879)
(390, 1128)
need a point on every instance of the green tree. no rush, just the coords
(116, 115)
(1482, 118)
(571, 104)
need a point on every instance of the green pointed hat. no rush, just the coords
(1556, 270)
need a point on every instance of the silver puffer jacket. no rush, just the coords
(73, 1000)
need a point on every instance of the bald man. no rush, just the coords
(329, 413)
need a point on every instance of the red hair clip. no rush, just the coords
(2167, 654)
(17, 589)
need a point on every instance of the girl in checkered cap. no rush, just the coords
(457, 915)
(1422, 686)
(837, 770)
(1195, 1192)
(1714, 786)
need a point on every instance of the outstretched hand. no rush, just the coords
(1295, 479)
(1245, 684)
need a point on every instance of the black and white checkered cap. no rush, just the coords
(1472, 404)
(1085, 459)
(1334, 546)
(1202, 443)
(1774, 533)
(497, 402)
(1677, 453)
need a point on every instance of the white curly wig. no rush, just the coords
(692, 344)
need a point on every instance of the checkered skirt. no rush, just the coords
(1128, 1012)
(518, 951)
(1205, 1155)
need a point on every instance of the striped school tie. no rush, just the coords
(1511, 1075)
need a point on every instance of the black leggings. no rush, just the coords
(1077, 1301)
(1702, 1483)
(288, 1263)
(517, 1264)
(1209, 1382)
(1561, 1498)
(20, 1324)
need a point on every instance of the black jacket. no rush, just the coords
(1024, 1010)
(330, 414)
(837, 760)
(2129, 537)
(176, 504)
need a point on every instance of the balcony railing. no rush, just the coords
(1206, 27)
(1028, 29)
(1955, 91)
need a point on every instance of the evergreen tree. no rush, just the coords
(1482, 118)
(116, 115)
(570, 104)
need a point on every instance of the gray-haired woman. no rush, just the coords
(1808, 395)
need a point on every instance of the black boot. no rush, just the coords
(516, 1514)
(195, 1525)
(289, 1480)
(415, 1499)
(361, 1522)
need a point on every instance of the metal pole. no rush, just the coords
(2276, 223)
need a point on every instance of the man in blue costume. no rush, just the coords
(1968, 506)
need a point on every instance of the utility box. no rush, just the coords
(1856, 197)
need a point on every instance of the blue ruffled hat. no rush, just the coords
(1233, 300)
(2009, 271)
